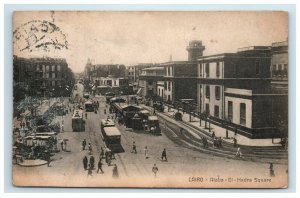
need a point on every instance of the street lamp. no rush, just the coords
(227, 122)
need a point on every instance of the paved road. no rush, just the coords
(182, 166)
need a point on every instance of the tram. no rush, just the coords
(112, 138)
(78, 123)
(89, 106)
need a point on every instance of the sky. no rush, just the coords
(141, 37)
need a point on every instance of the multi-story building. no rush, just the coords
(43, 76)
(236, 88)
(279, 66)
(177, 80)
(180, 81)
(148, 81)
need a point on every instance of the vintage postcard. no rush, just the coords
(151, 99)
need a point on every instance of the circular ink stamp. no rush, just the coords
(39, 35)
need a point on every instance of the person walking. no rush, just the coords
(272, 173)
(101, 153)
(62, 144)
(100, 166)
(90, 148)
(146, 152)
(234, 142)
(133, 148)
(154, 170)
(115, 173)
(83, 144)
(164, 155)
(86, 116)
(85, 162)
(90, 171)
(238, 152)
(92, 162)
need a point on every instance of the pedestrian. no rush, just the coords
(62, 144)
(181, 131)
(238, 152)
(235, 131)
(100, 166)
(154, 170)
(90, 172)
(164, 155)
(272, 173)
(115, 173)
(83, 144)
(90, 148)
(92, 162)
(146, 152)
(48, 158)
(101, 153)
(86, 116)
(133, 148)
(65, 145)
(85, 162)
(213, 134)
(234, 142)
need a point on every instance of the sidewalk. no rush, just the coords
(221, 132)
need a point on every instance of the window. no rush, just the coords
(58, 67)
(217, 93)
(169, 86)
(230, 110)
(200, 70)
(285, 70)
(53, 75)
(53, 67)
(243, 114)
(257, 65)
(280, 67)
(207, 69)
(207, 91)
(274, 67)
(216, 111)
(207, 109)
(218, 70)
(53, 83)
(47, 68)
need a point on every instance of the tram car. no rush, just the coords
(112, 138)
(89, 106)
(78, 123)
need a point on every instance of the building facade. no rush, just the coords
(43, 76)
(235, 88)
(148, 80)
(279, 66)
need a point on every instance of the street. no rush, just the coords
(185, 166)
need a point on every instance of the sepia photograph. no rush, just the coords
(150, 99)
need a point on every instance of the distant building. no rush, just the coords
(133, 72)
(42, 76)
(176, 81)
(148, 81)
(279, 66)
